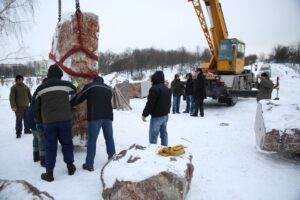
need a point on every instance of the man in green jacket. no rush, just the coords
(265, 87)
(19, 98)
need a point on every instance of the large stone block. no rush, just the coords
(139, 173)
(277, 127)
(16, 190)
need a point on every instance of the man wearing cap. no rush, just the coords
(52, 108)
(19, 98)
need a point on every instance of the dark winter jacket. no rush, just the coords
(265, 88)
(159, 97)
(98, 96)
(177, 87)
(19, 96)
(30, 118)
(199, 87)
(189, 85)
(51, 98)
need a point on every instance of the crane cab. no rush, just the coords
(231, 56)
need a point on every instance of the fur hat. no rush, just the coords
(19, 77)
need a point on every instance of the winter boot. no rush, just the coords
(36, 156)
(48, 176)
(42, 161)
(27, 131)
(84, 166)
(18, 134)
(71, 169)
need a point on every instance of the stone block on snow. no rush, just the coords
(16, 190)
(140, 173)
(277, 127)
(139, 90)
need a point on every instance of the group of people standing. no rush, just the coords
(193, 90)
(50, 114)
(47, 113)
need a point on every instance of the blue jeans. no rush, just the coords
(158, 125)
(176, 104)
(62, 132)
(93, 132)
(189, 104)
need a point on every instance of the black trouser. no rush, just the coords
(199, 104)
(21, 115)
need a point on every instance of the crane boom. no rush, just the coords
(199, 12)
(227, 54)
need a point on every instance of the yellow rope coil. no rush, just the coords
(176, 150)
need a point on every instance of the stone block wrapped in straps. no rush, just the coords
(75, 49)
(141, 173)
(277, 126)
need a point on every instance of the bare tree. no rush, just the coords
(250, 59)
(16, 16)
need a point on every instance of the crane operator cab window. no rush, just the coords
(231, 47)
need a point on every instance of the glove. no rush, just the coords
(144, 119)
(14, 109)
(75, 83)
(39, 127)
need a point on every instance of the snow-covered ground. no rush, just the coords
(227, 163)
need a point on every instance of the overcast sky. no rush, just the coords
(169, 24)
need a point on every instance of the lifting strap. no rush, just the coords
(75, 49)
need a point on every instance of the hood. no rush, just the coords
(158, 77)
(99, 79)
(54, 72)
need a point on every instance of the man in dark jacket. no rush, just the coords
(199, 93)
(19, 99)
(99, 115)
(177, 90)
(265, 87)
(158, 106)
(53, 109)
(189, 86)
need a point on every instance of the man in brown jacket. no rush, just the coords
(19, 98)
(265, 87)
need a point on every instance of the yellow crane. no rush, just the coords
(227, 54)
(229, 79)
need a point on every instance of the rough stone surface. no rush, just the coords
(15, 190)
(165, 184)
(274, 139)
(139, 90)
(67, 37)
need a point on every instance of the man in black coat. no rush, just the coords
(99, 115)
(189, 87)
(199, 93)
(158, 106)
(52, 108)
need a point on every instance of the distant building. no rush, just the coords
(40, 67)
